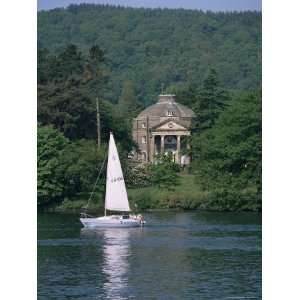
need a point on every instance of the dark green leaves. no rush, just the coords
(227, 157)
(164, 172)
(210, 102)
(50, 150)
(151, 47)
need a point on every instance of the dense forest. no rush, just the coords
(125, 57)
(159, 47)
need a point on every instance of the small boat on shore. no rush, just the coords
(116, 198)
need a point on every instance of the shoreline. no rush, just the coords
(154, 210)
(186, 196)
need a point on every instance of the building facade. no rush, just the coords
(163, 128)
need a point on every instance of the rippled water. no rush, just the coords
(177, 256)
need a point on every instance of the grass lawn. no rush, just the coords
(186, 195)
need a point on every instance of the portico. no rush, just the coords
(167, 142)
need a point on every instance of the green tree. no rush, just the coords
(164, 173)
(65, 107)
(186, 94)
(66, 168)
(128, 106)
(227, 157)
(82, 162)
(210, 102)
(94, 77)
(151, 46)
(51, 145)
(96, 54)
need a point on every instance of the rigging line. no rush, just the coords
(91, 195)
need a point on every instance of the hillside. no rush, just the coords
(155, 47)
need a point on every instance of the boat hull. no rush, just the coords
(107, 222)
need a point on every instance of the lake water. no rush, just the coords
(178, 255)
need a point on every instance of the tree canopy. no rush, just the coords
(227, 157)
(151, 47)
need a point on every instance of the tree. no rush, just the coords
(164, 173)
(210, 101)
(51, 145)
(156, 48)
(82, 162)
(65, 107)
(66, 168)
(128, 105)
(42, 65)
(68, 85)
(185, 93)
(227, 157)
(96, 54)
(94, 77)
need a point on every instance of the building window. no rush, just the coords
(143, 125)
(170, 113)
(143, 140)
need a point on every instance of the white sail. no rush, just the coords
(116, 195)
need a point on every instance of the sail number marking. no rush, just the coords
(115, 179)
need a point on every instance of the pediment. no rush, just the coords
(169, 125)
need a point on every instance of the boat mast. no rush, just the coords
(98, 124)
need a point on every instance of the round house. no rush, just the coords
(162, 128)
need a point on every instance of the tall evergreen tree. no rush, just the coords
(128, 105)
(210, 101)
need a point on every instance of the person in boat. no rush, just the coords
(140, 218)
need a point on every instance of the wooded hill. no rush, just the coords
(159, 47)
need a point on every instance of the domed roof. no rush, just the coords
(167, 107)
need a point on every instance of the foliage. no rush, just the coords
(65, 168)
(185, 93)
(68, 85)
(83, 161)
(227, 157)
(137, 176)
(128, 106)
(65, 107)
(151, 47)
(50, 149)
(210, 102)
(163, 173)
(186, 194)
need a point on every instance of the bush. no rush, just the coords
(137, 177)
(164, 173)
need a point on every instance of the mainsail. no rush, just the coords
(116, 195)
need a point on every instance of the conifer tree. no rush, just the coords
(210, 101)
(128, 105)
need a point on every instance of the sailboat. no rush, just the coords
(116, 198)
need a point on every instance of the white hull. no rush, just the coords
(111, 222)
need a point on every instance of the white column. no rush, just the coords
(178, 149)
(152, 148)
(162, 144)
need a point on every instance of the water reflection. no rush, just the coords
(176, 256)
(115, 265)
